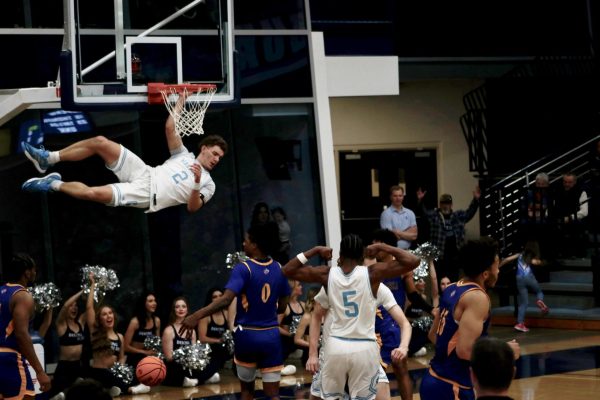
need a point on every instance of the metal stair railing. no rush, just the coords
(502, 202)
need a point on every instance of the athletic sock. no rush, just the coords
(53, 157)
(55, 185)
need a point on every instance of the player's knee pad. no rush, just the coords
(271, 376)
(246, 374)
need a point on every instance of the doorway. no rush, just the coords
(366, 177)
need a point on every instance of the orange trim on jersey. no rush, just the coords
(10, 328)
(378, 340)
(461, 283)
(245, 304)
(244, 364)
(258, 328)
(23, 389)
(456, 392)
(458, 385)
(272, 369)
(452, 343)
(7, 350)
(247, 266)
(262, 264)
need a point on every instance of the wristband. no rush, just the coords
(302, 258)
(196, 186)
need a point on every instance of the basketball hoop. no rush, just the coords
(189, 118)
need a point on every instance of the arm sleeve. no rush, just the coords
(417, 301)
(472, 210)
(385, 297)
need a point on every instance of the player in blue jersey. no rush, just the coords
(16, 348)
(351, 353)
(262, 292)
(464, 316)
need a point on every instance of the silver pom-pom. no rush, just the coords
(235, 258)
(193, 356)
(228, 341)
(106, 280)
(154, 343)
(295, 322)
(423, 323)
(122, 372)
(45, 296)
(426, 252)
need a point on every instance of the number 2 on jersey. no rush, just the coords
(179, 177)
(351, 306)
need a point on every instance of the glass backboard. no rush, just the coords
(113, 49)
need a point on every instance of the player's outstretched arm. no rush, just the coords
(173, 139)
(297, 268)
(191, 321)
(398, 315)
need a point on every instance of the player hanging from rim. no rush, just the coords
(182, 179)
(352, 290)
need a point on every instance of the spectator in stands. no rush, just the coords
(537, 224)
(448, 229)
(398, 219)
(492, 368)
(569, 210)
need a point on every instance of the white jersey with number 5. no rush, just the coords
(351, 304)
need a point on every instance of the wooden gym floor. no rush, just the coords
(555, 364)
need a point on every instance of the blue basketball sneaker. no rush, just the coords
(39, 157)
(41, 184)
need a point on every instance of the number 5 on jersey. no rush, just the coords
(351, 306)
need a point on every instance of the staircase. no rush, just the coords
(569, 292)
(512, 119)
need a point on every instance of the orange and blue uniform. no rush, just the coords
(15, 380)
(258, 284)
(448, 376)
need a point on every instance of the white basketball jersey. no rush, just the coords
(351, 304)
(172, 182)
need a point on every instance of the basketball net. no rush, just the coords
(189, 118)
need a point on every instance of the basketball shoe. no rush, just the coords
(39, 157)
(216, 378)
(542, 306)
(288, 370)
(139, 389)
(42, 184)
(189, 382)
